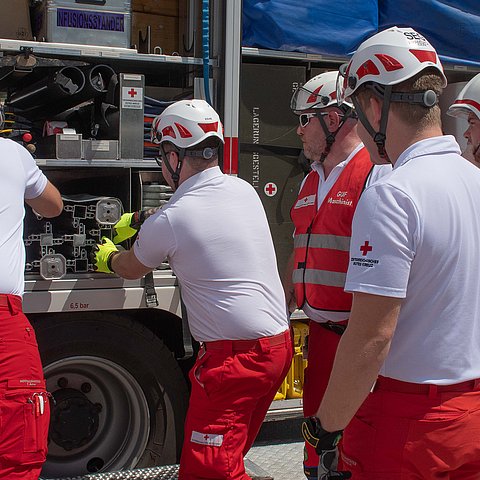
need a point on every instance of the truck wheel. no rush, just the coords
(120, 396)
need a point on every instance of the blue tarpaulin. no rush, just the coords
(452, 27)
(336, 28)
(321, 26)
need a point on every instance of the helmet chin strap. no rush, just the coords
(175, 174)
(330, 136)
(380, 136)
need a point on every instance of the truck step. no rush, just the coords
(169, 472)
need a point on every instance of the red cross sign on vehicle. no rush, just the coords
(270, 189)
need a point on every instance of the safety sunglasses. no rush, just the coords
(304, 118)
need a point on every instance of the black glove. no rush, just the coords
(325, 444)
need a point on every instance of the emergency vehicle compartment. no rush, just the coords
(150, 189)
(94, 200)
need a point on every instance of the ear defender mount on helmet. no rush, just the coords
(207, 153)
(426, 99)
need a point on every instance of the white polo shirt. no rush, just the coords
(20, 178)
(324, 186)
(416, 235)
(215, 235)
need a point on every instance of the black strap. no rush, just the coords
(330, 136)
(337, 328)
(187, 336)
(151, 299)
(378, 137)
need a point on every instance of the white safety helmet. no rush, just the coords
(319, 92)
(388, 58)
(468, 101)
(187, 123)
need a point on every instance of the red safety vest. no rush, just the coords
(322, 238)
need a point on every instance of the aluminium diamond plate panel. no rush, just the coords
(169, 472)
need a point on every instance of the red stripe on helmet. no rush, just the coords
(424, 55)
(368, 68)
(466, 101)
(313, 98)
(209, 127)
(184, 132)
(391, 64)
(168, 131)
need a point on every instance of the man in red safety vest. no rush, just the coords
(322, 215)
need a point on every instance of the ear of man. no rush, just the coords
(333, 120)
(376, 105)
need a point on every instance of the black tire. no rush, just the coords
(121, 397)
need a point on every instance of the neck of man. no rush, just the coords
(401, 136)
(193, 166)
(344, 145)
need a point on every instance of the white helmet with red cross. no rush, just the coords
(319, 92)
(388, 58)
(468, 101)
(187, 123)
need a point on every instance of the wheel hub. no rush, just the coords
(74, 420)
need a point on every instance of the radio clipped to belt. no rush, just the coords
(335, 327)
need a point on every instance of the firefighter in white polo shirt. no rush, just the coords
(215, 235)
(405, 382)
(24, 402)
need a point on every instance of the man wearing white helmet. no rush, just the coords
(215, 235)
(406, 375)
(467, 105)
(322, 215)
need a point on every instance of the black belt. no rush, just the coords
(337, 328)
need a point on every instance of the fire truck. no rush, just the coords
(93, 75)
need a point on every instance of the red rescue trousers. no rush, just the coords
(233, 384)
(322, 347)
(407, 431)
(24, 405)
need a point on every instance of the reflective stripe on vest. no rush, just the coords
(333, 242)
(319, 277)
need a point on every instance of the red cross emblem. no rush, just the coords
(206, 437)
(366, 248)
(270, 189)
(132, 92)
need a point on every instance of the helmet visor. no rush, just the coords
(304, 99)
